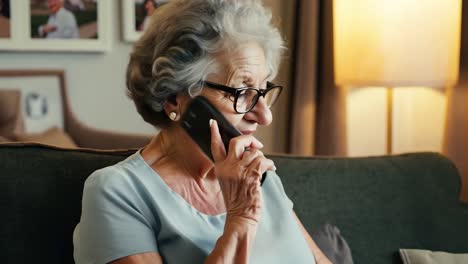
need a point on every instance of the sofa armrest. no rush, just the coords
(87, 137)
(100, 139)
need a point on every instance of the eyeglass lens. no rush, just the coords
(247, 98)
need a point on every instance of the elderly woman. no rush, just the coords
(168, 202)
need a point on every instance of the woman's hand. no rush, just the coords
(239, 172)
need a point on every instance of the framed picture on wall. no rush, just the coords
(40, 105)
(5, 27)
(136, 16)
(6, 24)
(59, 25)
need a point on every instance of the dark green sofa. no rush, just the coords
(380, 204)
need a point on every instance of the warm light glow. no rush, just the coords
(397, 42)
(366, 132)
(420, 114)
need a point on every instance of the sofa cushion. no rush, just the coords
(53, 136)
(380, 204)
(420, 256)
(40, 199)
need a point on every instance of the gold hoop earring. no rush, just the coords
(173, 116)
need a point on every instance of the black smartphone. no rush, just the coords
(195, 122)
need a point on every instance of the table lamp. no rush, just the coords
(397, 43)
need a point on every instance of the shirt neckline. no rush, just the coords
(170, 190)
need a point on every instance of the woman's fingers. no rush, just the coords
(239, 171)
(238, 145)
(267, 165)
(249, 155)
(260, 165)
(217, 147)
(263, 163)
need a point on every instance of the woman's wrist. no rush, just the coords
(242, 227)
(240, 223)
(235, 244)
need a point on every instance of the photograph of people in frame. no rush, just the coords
(64, 19)
(143, 11)
(5, 19)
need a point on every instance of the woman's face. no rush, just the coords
(244, 67)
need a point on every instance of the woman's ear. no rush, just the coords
(174, 105)
(171, 108)
(172, 99)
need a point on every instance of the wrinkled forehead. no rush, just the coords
(247, 59)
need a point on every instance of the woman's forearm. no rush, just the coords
(234, 246)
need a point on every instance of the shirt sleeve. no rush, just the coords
(113, 223)
(278, 185)
(68, 26)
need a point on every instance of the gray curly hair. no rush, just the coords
(176, 52)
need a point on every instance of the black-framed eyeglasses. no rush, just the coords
(245, 98)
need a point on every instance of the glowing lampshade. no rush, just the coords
(396, 42)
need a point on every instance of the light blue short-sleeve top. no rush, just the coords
(128, 209)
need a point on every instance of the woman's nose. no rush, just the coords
(260, 114)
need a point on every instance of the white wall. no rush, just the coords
(95, 81)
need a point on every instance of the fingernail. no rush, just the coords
(211, 122)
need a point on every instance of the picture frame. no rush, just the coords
(7, 24)
(134, 16)
(42, 94)
(91, 27)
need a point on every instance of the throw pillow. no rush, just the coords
(53, 136)
(328, 238)
(421, 256)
